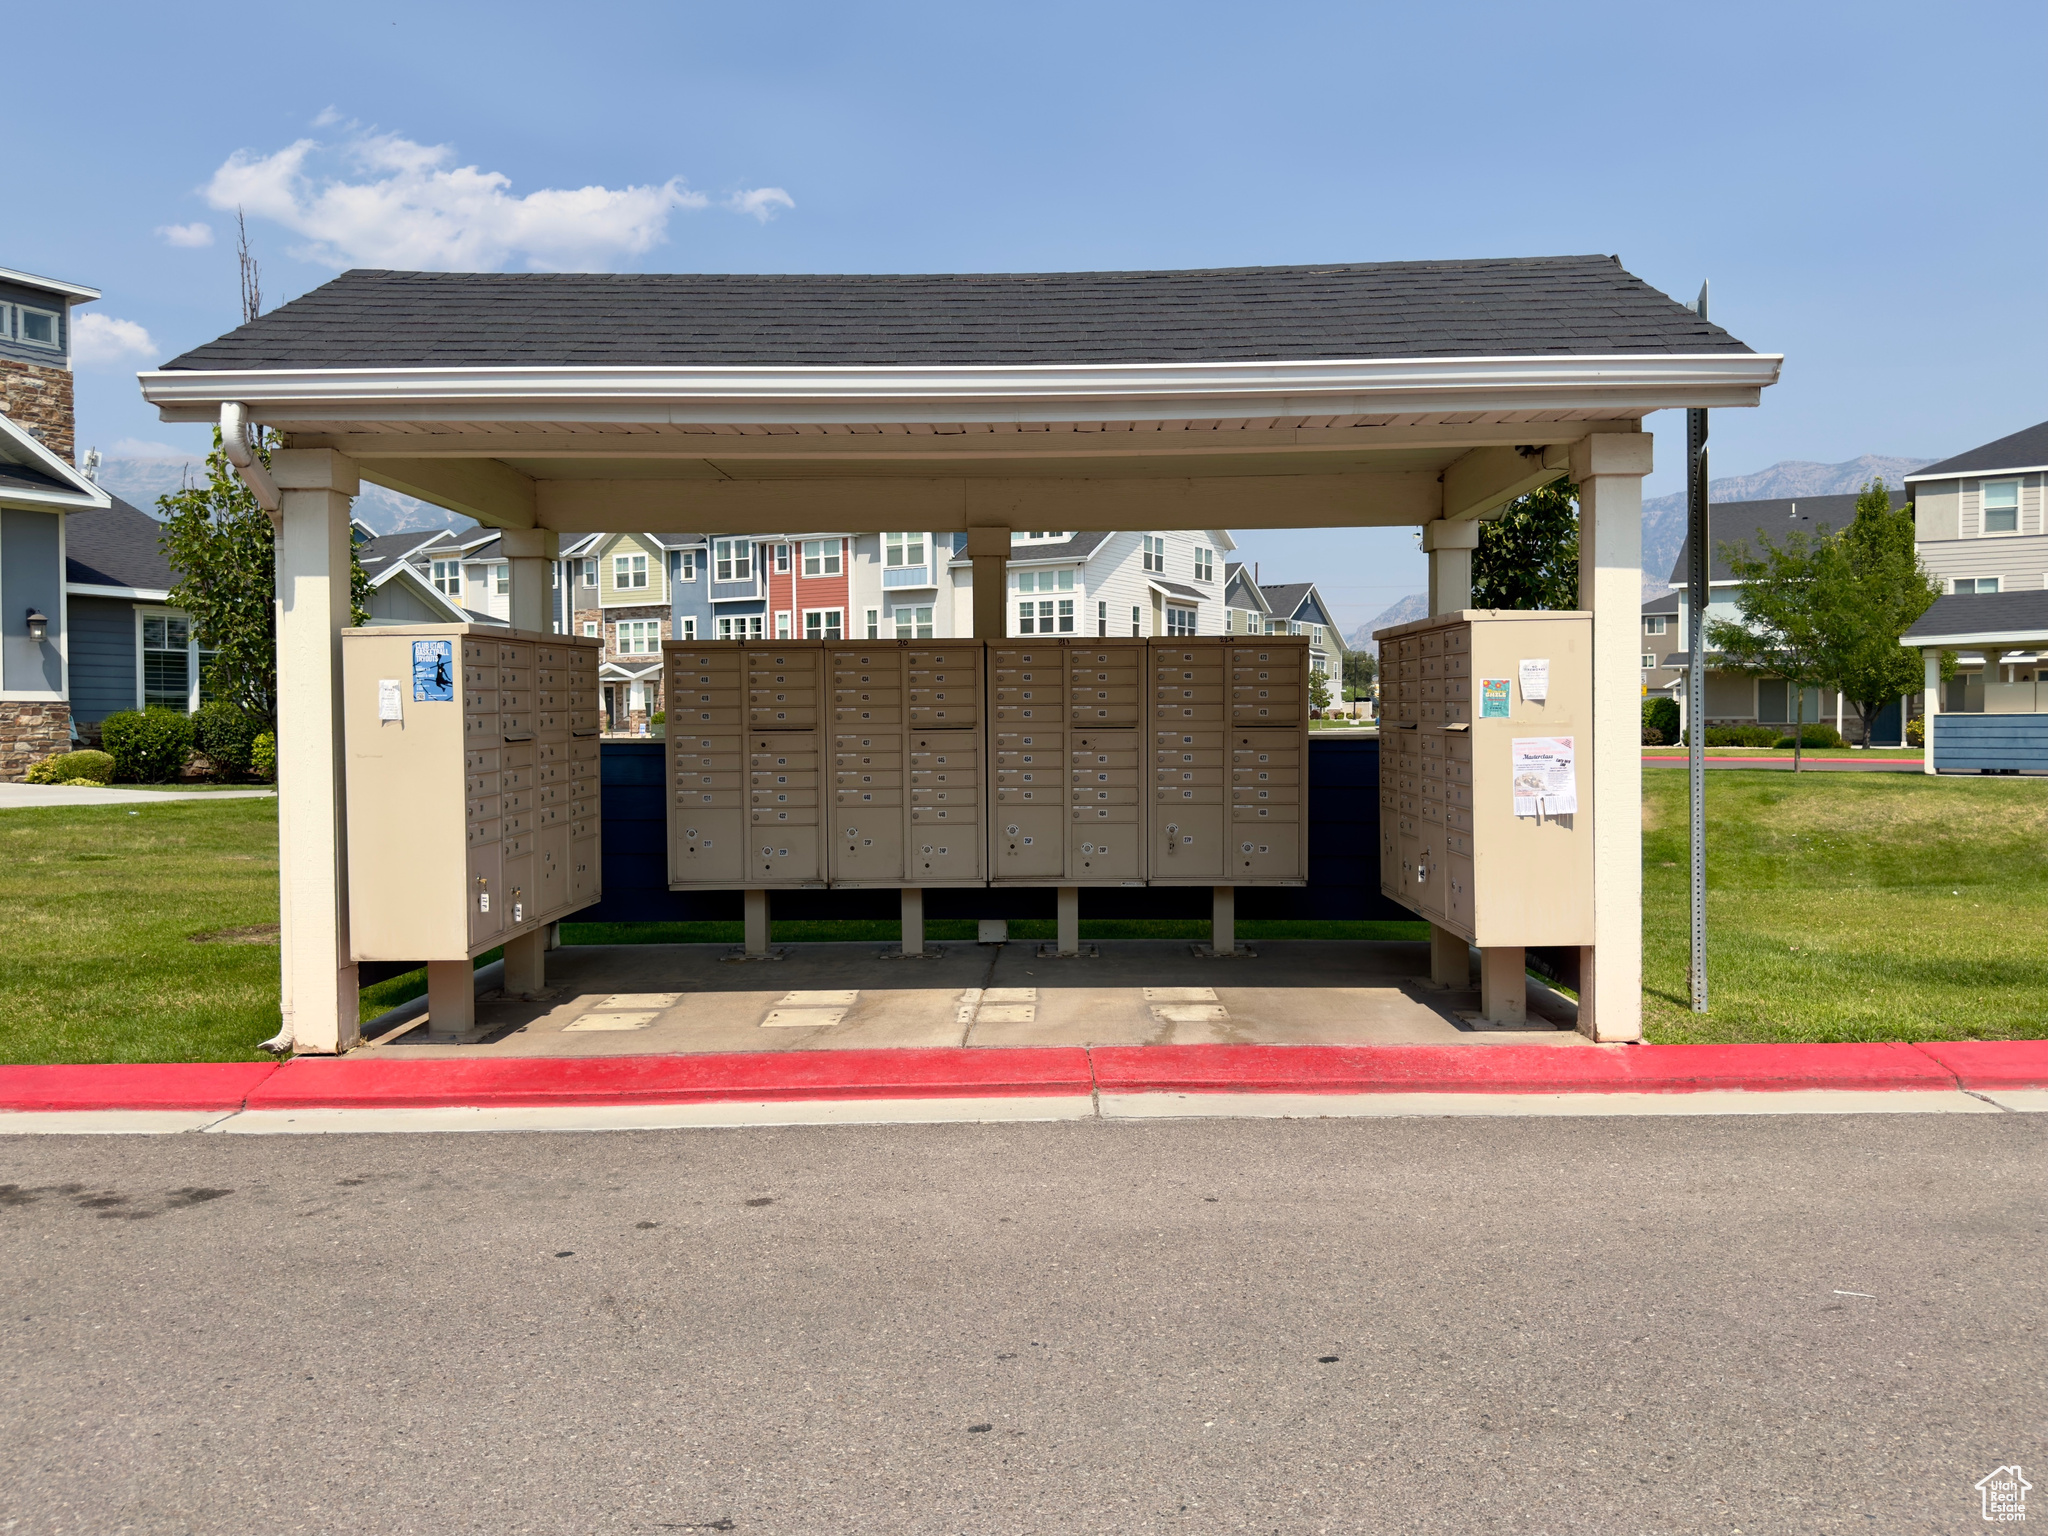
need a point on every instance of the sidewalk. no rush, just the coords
(14, 797)
(357, 1093)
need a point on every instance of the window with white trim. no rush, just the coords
(913, 623)
(166, 661)
(448, 578)
(1656, 623)
(1155, 553)
(782, 559)
(874, 623)
(37, 327)
(1035, 538)
(590, 573)
(501, 577)
(821, 558)
(2001, 503)
(1179, 621)
(1970, 584)
(782, 624)
(732, 560)
(1205, 564)
(1649, 661)
(689, 630)
(590, 628)
(629, 572)
(1102, 619)
(689, 565)
(1137, 622)
(824, 623)
(900, 549)
(637, 637)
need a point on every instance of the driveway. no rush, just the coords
(1825, 1323)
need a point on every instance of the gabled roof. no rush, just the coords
(1286, 597)
(116, 546)
(1982, 618)
(2025, 449)
(1176, 589)
(387, 550)
(77, 293)
(32, 476)
(1668, 603)
(1237, 579)
(1517, 307)
(1742, 522)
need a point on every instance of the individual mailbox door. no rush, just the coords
(1268, 852)
(1029, 842)
(709, 847)
(865, 845)
(486, 894)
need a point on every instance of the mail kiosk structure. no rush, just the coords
(795, 763)
(472, 782)
(1486, 823)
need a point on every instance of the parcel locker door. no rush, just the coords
(1105, 850)
(1190, 842)
(865, 844)
(521, 909)
(486, 910)
(1268, 853)
(551, 869)
(1028, 842)
(710, 847)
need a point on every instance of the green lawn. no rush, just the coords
(1841, 907)
(1851, 906)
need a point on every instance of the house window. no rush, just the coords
(629, 572)
(913, 624)
(1968, 584)
(638, 637)
(1066, 615)
(1102, 619)
(1205, 564)
(590, 573)
(1315, 635)
(1137, 622)
(1155, 553)
(502, 577)
(448, 577)
(1180, 621)
(1655, 624)
(732, 560)
(166, 661)
(1649, 661)
(1035, 538)
(823, 624)
(689, 565)
(874, 623)
(38, 328)
(782, 560)
(689, 630)
(2002, 506)
(782, 621)
(899, 549)
(590, 628)
(1027, 622)
(821, 558)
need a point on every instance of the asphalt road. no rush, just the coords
(1546, 1325)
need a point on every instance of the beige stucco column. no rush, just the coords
(317, 975)
(1608, 469)
(1449, 547)
(531, 553)
(1930, 706)
(989, 549)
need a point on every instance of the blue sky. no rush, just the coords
(1861, 183)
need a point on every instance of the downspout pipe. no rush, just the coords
(234, 441)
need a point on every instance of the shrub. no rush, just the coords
(1652, 737)
(263, 756)
(1662, 715)
(149, 746)
(1916, 731)
(73, 768)
(1741, 736)
(1812, 736)
(227, 734)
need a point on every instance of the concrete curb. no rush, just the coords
(1097, 1075)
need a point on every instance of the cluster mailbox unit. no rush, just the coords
(1483, 716)
(472, 773)
(1060, 761)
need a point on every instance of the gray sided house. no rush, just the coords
(1282, 608)
(1978, 517)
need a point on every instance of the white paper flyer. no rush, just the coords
(1545, 776)
(1536, 679)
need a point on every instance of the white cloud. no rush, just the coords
(191, 236)
(142, 448)
(382, 200)
(328, 117)
(761, 202)
(103, 339)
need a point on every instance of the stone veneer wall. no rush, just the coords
(29, 732)
(39, 399)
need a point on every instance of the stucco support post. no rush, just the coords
(1930, 706)
(989, 549)
(317, 975)
(1449, 546)
(1067, 928)
(913, 920)
(530, 555)
(1608, 468)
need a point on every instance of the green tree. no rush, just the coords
(1360, 669)
(1528, 557)
(1875, 587)
(224, 549)
(1786, 598)
(1319, 690)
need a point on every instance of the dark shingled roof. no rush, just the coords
(2022, 615)
(2022, 450)
(1078, 546)
(1668, 603)
(1740, 522)
(23, 478)
(1505, 308)
(117, 547)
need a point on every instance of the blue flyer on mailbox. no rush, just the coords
(433, 671)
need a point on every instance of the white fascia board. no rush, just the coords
(25, 448)
(2008, 638)
(134, 594)
(78, 293)
(1976, 474)
(1624, 382)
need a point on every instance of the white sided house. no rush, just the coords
(1978, 517)
(1104, 583)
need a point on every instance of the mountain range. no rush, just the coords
(1664, 519)
(140, 481)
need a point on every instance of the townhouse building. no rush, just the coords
(1093, 583)
(1283, 608)
(1978, 518)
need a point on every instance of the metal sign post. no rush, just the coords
(1697, 569)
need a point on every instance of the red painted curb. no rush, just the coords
(1509, 1068)
(350, 1083)
(133, 1085)
(1985, 1064)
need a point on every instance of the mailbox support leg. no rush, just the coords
(1223, 920)
(1070, 919)
(554, 935)
(526, 964)
(757, 922)
(1450, 959)
(1504, 985)
(451, 999)
(913, 920)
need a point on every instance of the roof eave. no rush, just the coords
(1972, 474)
